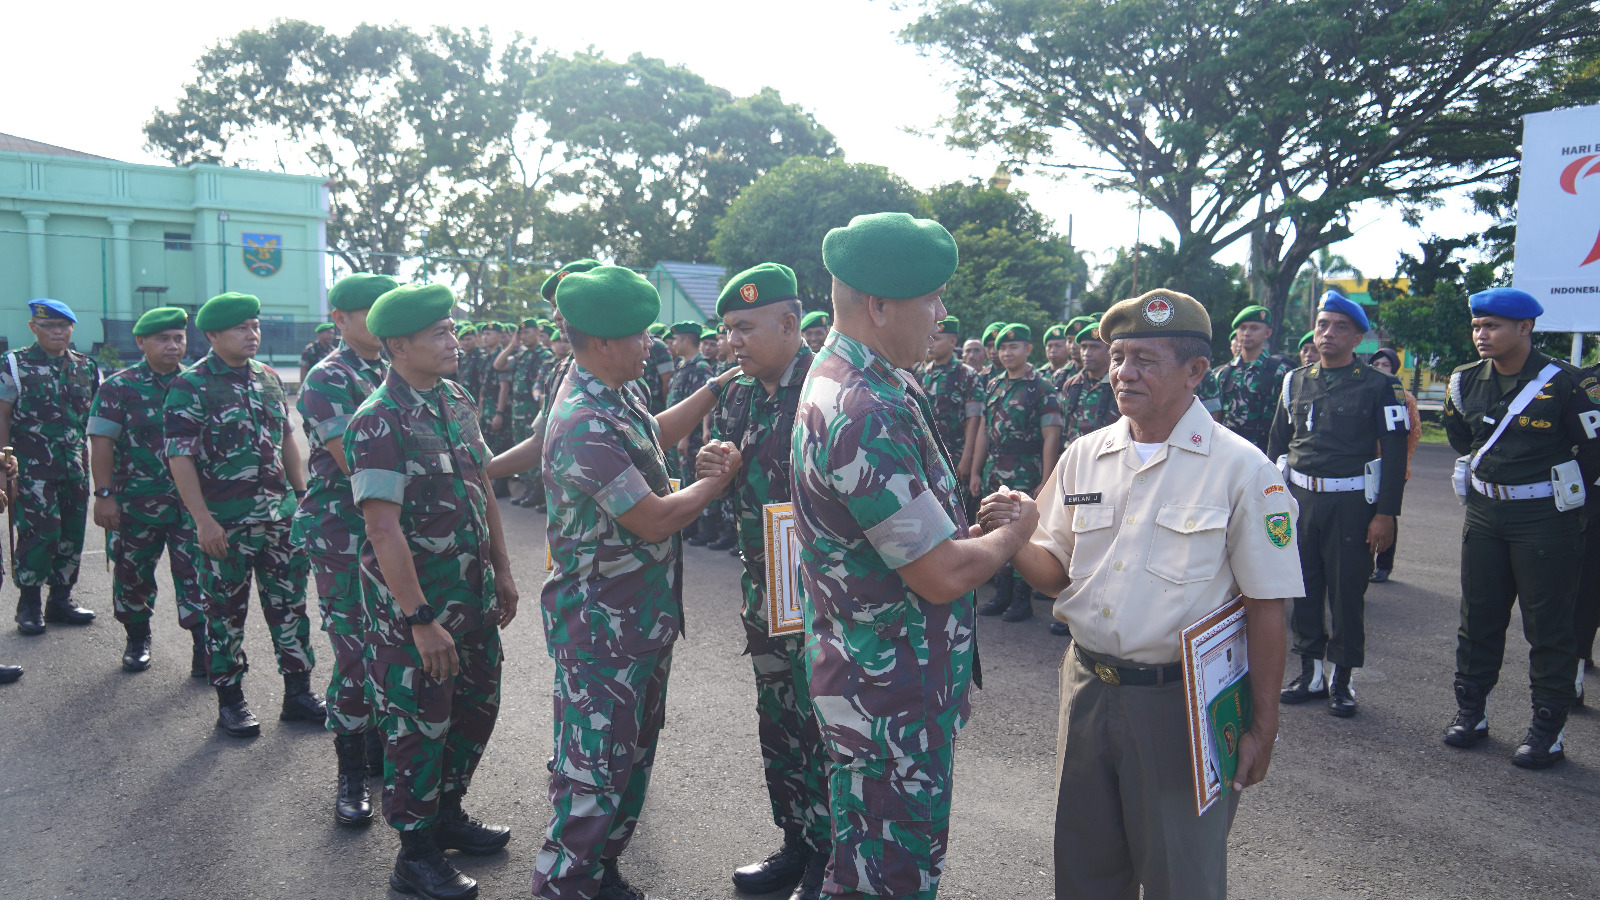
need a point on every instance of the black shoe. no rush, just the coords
(29, 611)
(613, 886)
(810, 886)
(61, 608)
(299, 703)
(502, 487)
(199, 665)
(455, 830)
(698, 538)
(1061, 629)
(1341, 697)
(1311, 684)
(9, 674)
(1542, 747)
(778, 872)
(136, 654)
(1021, 607)
(1379, 576)
(726, 541)
(352, 805)
(375, 751)
(1470, 724)
(539, 508)
(234, 715)
(421, 869)
(1000, 602)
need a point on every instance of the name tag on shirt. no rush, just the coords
(1080, 499)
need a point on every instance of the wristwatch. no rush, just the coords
(423, 616)
(717, 387)
(102, 493)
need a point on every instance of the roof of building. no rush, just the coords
(14, 144)
(700, 282)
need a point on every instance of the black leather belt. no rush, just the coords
(1140, 676)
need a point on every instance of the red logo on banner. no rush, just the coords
(1569, 183)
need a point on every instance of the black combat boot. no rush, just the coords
(502, 487)
(453, 829)
(9, 674)
(1541, 747)
(1311, 684)
(421, 869)
(1002, 596)
(810, 886)
(778, 872)
(233, 713)
(299, 704)
(1021, 607)
(199, 663)
(375, 752)
(1470, 724)
(727, 540)
(1341, 696)
(30, 611)
(61, 608)
(136, 654)
(613, 886)
(352, 805)
(705, 530)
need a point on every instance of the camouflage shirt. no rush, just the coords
(50, 408)
(334, 389)
(659, 364)
(693, 375)
(234, 423)
(127, 410)
(955, 395)
(468, 374)
(611, 593)
(1015, 413)
(527, 370)
(1087, 406)
(1243, 395)
(890, 673)
(315, 352)
(424, 451)
(1060, 377)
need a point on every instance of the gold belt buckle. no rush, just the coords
(1107, 674)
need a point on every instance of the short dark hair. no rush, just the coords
(576, 338)
(1187, 348)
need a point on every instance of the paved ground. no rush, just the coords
(118, 786)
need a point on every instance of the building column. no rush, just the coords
(121, 266)
(38, 260)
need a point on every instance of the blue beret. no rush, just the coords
(1333, 301)
(45, 308)
(1507, 303)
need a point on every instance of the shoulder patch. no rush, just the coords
(1271, 489)
(1279, 529)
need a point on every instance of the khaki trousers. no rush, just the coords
(1125, 797)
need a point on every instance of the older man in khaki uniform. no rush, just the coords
(1145, 527)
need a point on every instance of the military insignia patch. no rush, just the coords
(1195, 439)
(1271, 489)
(1279, 529)
(748, 293)
(1157, 311)
(1523, 421)
(1593, 391)
(1542, 423)
(1400, 393)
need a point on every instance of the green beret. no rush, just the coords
(530, 322)
(815, 320)
(709, 334)
(1016, 331)
(162, 318)
(1160, 313)
(1090, 332)
(1307, 339)
(687, 328)
(410, 308)
(990, 331)
(548, 289)
(756, 286)
(608, 301)
(657, 330)
(358, 291)
(950, 325)
(1252, 314)
(226, 310)
(466, 328)
(551, 330)
(891, 255)
(1233, 335)
(325, 326)
(1056, 333)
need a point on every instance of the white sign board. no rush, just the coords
(1558, 217)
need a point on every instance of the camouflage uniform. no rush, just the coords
(330, 527)
(890, 673)
(128, 412)
(1016, 412)
(956, 396)
(234, 423)
(1060, 377)
(468, 363)
(424, 451)
(314, 353)
(527, 371)
(690, 377)
(1244, 395)
(50, 407)
(793, 756)
(1086, 406)
(612, 608)
(660, 363)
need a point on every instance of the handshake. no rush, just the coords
(1006, 508)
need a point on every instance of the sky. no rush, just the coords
(840, 59)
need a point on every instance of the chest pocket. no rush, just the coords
(1092, 536)
(1188, 543)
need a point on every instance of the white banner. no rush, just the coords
(1558, 217)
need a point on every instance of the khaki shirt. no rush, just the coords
(1152, 548)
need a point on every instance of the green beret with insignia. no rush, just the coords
(950, 325)
(891, 255)
(708, 334)
(756, 286)
(326, 326)
(1307, 339)
(359, 291)
(990, 331)
(226, 310)
(1090, 332)
(1252, 314)
(550, 330)
(409, 309)
(1159, 313)
(548, 289)
(1076, 323)
(818, 319)
(687, 328)
(466, 328)
(530, 322)
(1055, 333)
(608, 301)
(162, 318)
(1016, 331)
(657, 330)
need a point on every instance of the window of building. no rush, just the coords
(178, 240)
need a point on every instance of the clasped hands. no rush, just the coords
(1005, 508)
(717, 460)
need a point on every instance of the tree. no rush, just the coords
(1222, 290)
(1430, 318)
(1310, 285)
(1256, 119)
(783, 215)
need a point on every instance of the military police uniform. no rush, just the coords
(49, 401)
(1520, 544)
(1586, 613)
(1327, 423)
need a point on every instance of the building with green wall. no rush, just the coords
(113, 239)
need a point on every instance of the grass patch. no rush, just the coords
(1433, 434)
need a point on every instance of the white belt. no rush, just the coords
(1513, 491)
(1328, 485)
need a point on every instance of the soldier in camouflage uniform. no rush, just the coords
(757, 412)
(683, 339)
(1243, 392)
(329, 525)
(612, 604)
(972, 355)
(136, 501)
(955, 395)
(467, 357)
(1018, 443)
(1058, 352)
(45, 391)
(1088, 401)
(657, 377)
(317, 350)
(815, 328)
(234, 459)
(991, 367)
(695, 373)
(525, 379)
(887, 571)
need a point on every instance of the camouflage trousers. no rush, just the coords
(435, 729)
(891, 825)
(134, 548)
(793, 757)
(267, 551)
(1019, 473)
(51, 517)
(608, 715)
(344, 620)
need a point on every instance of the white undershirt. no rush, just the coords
(1146, 451)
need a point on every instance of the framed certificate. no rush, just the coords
(1215, 667)
(785, 614)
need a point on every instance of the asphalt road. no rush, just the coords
(117, 785)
